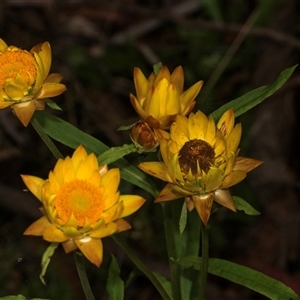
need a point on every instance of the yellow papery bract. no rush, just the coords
(34, 184)
(200, 162)
(23, 79)
(160, 98)
(92, 249)
(81, 203)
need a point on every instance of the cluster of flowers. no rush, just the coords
(80, 199)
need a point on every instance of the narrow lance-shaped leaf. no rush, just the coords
(254, 280)
(241, 204)
(46, 260)
(115, 285)
(72, 137)
(254, 97)
(115, 153)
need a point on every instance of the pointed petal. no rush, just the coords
(69, 246)
(246, 164)
(111, 180)
(189, 95)
(34, 184)
(54, 77)
(122, 225)
(226, 122)
(197, 125)
(106, 230)
(234, 138)
(24, 111)
(51, 89)
(92, 249)
(53, 234)
(168, 194)
(156, 169)
(4, 104)
(138, 107)
(131, 204)
(37, 228)
(210, 136)
(179, 130)
(141, 85)
(177, 78)
(224, 198)
(233, 178)
(3, 46)
(203, 204)
(79, 156)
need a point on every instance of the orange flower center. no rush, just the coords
(81, 199)
(17, 63)
(196, 151)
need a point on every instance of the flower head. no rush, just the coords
(200, 162)
(25, 80)
(161, 97)
(81, 204)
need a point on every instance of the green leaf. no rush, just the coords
(254, 97)
(72, 137)
(125, 127)
(46, 260)
(116, 153)
(245, 276)
(52, 104)
(165, 283)
(115, 285)
(183, 218)
(241, 204)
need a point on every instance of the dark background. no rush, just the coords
(234, 46)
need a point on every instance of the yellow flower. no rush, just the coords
(24, 79)
(161, 97)
(81, 204)
(200, 162)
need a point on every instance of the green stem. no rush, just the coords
(171, 248)
(44, 136)
(141, 266)
(204, 262)
(83, 276)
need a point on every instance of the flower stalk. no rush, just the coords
(83, 276)
(141, 266)
(204, 261)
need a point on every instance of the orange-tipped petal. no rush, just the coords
(203, 204)
(246, 164)
(168, 194)
(92, 249)
(51, 89)
(24, 111)
(156, 169)
(224, 198)
(122, 225)
(226, 122)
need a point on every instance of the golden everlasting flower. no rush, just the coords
(24, 79)
(160, 97)
(200, 162)
(81, 204)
